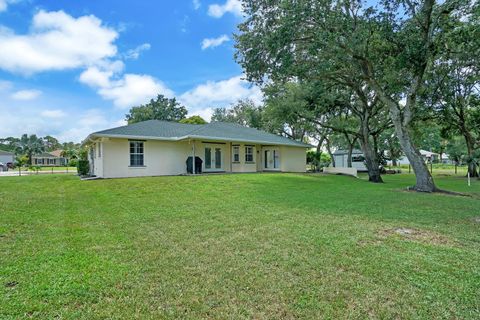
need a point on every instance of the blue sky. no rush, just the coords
(68, 68)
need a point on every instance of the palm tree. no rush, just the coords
(69, 153)
(30, 145)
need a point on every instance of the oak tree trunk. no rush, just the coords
(349, 156)
(330, 153)
(424, 181)
(401, 122)
(394, 162)
(371, 160)
(472, 165)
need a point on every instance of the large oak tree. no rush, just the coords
(389, 46)
(161, 108)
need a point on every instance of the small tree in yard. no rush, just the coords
(83, 166)
(20, 161)
(318, 160)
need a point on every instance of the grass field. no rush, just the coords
(277, 246)
(58, 168)
(438, 169)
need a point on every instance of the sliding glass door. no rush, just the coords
(271, 159)
(213, 159)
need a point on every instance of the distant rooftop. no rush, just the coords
(6, 153)
(340, 152)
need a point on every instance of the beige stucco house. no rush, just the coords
(155, 148)
(49, 159)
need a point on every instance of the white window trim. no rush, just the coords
(252, 153)
(130, 154)
(236, 152)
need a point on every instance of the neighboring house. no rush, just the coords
(154, 148)
(52, 159)
(6, 157)
(358, 160)
(427, 156)
(446, 159)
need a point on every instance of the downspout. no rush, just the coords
(231, 157)
(193, 158)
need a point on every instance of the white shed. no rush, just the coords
(358, 160)
(6, 157)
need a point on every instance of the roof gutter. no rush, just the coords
(186, 137)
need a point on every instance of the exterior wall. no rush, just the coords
(160, 158)
(242, 165)
(200, 152)
(48, 162)
(98, 159)
(360, 166)
(169, 158)
(6, 158)
(293, 159)
(341, 161)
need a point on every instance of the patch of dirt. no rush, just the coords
(418, 235)
(476, 219)
(11, 284)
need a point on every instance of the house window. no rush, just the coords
(99, 146)
(249, 154)
(236, 153)
(136, 154)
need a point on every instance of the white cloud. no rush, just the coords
(220, 94)
(5, 85)
(134, 89)
(214, 42)
(184, 24)
(232, 6)
(53, 114)
(134, 54)
(26, 94)
(17, 118)
(93, 77)
(196, 4)
(56, 41)
(126, 91)
(4, 4)
(89, 121)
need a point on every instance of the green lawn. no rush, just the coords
(58, 169)
(278, 246)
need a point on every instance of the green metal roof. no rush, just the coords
(221, 131)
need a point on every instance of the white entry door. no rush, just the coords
(213, 158)
(271, 159)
